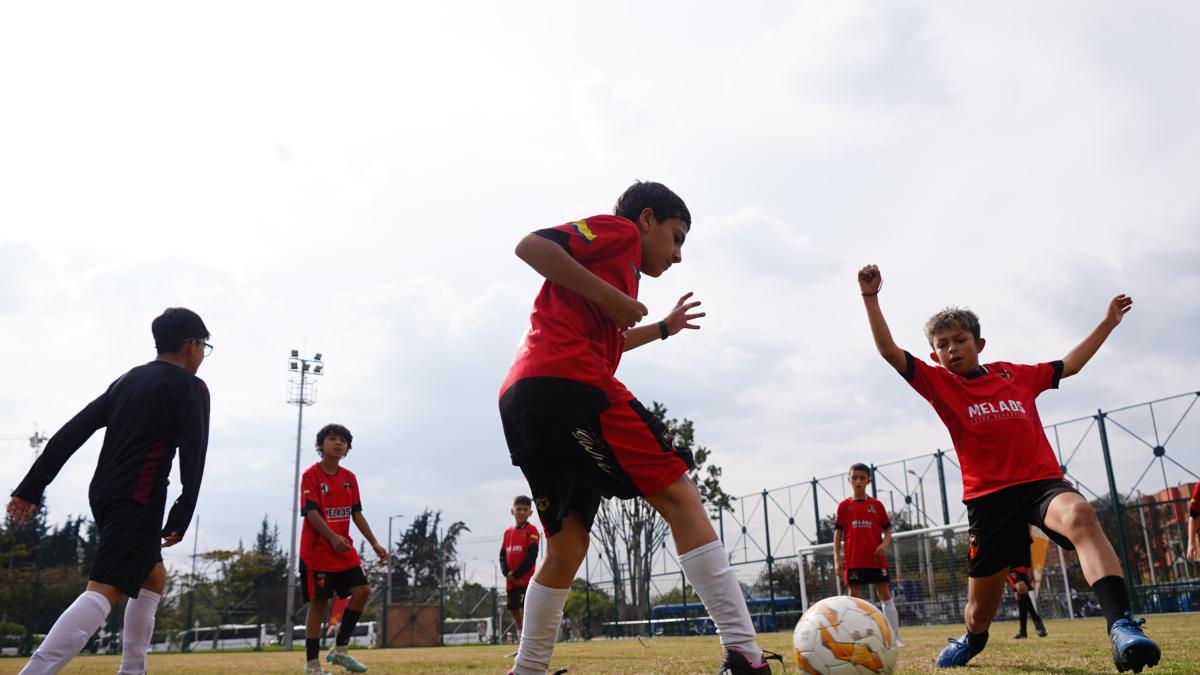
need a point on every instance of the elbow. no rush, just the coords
(526, 247)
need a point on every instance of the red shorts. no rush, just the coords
(574, 448)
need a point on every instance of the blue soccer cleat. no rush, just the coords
(957, 654)
(1131, 649)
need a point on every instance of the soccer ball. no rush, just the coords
(844, 636)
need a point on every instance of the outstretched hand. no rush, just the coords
(682, 316)
(380, 551)
(1118, 307)
(870, 280)
(20, 510)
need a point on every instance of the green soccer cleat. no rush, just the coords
(343, 659)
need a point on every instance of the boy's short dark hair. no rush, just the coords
(175, 326)
(952, 317)
(522, 500)
(333, 430)
(655, 196)
(859, 466)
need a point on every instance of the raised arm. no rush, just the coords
(552, 262)
(62, 445)
(1078, 357)
(870, 280)
(680, 317)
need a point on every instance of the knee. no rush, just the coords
(1079, 518)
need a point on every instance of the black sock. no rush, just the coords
(312, 648)
(1033, 614)
(977, 640)
(1023, 611)
(346, 627)
(1113, 598)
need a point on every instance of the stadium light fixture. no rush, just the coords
(301, 392)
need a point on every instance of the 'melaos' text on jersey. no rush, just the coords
(336, 499)
(569, 336)
(862, 522)
(992, 420)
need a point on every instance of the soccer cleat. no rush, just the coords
(1041, 631)
(1131, 649)
(340, 658)
(314, 668)
(735, 663)
(958, 653)
(1021, 635)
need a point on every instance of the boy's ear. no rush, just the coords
(933, 357)
(979, 344)
(646, 220)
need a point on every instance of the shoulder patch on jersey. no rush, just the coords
(584, 232)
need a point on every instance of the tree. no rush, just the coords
(631, 532)
(428, 554)
(583, 599)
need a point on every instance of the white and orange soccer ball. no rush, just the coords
(844, 636)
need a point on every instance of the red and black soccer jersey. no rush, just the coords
(518, 554)
(336, 499)
(1194, 503)
(570, 337)
(862, 522)
(992, 420)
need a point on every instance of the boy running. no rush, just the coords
(862, 523)
(329, 564)
(1011, 477)
(1193, 549)
(518, 558)
(147, 413)
(1020, 581)
(577, 433)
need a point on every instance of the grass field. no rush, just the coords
(1073, 648)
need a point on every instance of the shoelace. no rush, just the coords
(772, 656)
(1131, 622)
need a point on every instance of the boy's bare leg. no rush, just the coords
(1070, 515)
(138, 628)
(547, 594)
(983, 599)
(854, 591)
(706, 565)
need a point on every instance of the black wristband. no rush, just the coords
(662, 330)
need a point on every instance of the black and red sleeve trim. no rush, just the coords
(1058, 368)
(910, 367)
(559, 237)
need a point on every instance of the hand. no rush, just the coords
(624, 310)
(379, 550)
(340, 543)
(881, 551)
(1193, 552)
(1117, 308)
(509, 576)
(679, 318)
(870, 280)
(171, 539)
(20, 510)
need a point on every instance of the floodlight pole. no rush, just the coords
(302, 365)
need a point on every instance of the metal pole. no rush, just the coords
(942, 485)
(1116, 508)
(1146, 537)
(291, 587)
(770, 558)
(187, 639)
(816, 511)
(387, 593)
(587, 594)
(1062, 566)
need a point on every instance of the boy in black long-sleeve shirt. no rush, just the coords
(147, 413)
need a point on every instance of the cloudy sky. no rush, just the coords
(353, 180)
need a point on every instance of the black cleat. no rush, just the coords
(735, 663)
(1041, 631)
(1021, 635)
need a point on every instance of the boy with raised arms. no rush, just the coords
(577, 433)
(1011, 477)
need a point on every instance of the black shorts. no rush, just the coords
(1015, 577)
(999, 525)
(318, 585)
(860, 576)
(130, 543)
(574, 448)
(516, 598)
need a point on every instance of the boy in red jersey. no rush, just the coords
(1011, 477)
(329, 564)
(1193, 549)
(518, 558)
(862, 523)
(577, 433)
(1020, 581)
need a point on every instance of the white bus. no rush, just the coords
(227, 636)
(365, 635)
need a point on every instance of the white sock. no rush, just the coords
(707, 568)
(893, 617)
(137, 631)
(69, 634)
(543, 614)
